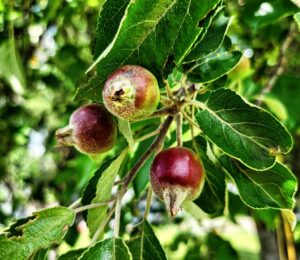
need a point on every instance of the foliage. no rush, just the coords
(228, 68)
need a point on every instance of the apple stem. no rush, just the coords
(148, 204)
(75, 204)
(118, 215)
(144, 137)
(179, 129)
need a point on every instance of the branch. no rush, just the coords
(155, 145)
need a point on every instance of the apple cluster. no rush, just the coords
(132, 93)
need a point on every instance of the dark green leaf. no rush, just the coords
(124, 128)
(90, 190)
(110, 16)
(142, 177)
(41, 254)
(242, 130)
(212, 39)
(72, 255)
(47, 227)
(219, 83)
(103, 193)
(258, 14)
(220, 249)
(11, 67)
(154, 34)
(212, 197)
(144, 245)
(214, 65)
(109, 249)
(274, 188)
(287, 90)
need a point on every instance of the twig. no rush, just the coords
(193, 117)
(179, 129)
(103, 224)
(142, 138)
(155, 145)
(169, 91)
(118, 182)
(117, 216)
(93, 205)
(191, 121)
(279, 68)
(148, 203)
(75, 204)
(170, 110)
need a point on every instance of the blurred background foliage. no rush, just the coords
(45, 48)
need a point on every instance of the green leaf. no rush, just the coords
(224, 248)
(72, 255)
(214, 65)
(142, 178)
(103, 193)
(154, 34)
(110, 16)
(243, 131)
(43, 229)
(143, 243)
(109, 249)
(258, 14)
(41, 254)
(274, 188)
(212, 197)
(90, 190)
(212, 40)
(219, 83)
(11, 67)
(275, 106)
(287, 90)
(124, 127)
(297, 19)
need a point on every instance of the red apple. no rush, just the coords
(177, 175)
(92, 130)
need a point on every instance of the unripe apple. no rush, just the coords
(176, 175)
(92, 130)
(131, 92)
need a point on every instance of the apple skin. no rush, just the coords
(177, 175)
(131, 93)
(92, 130)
